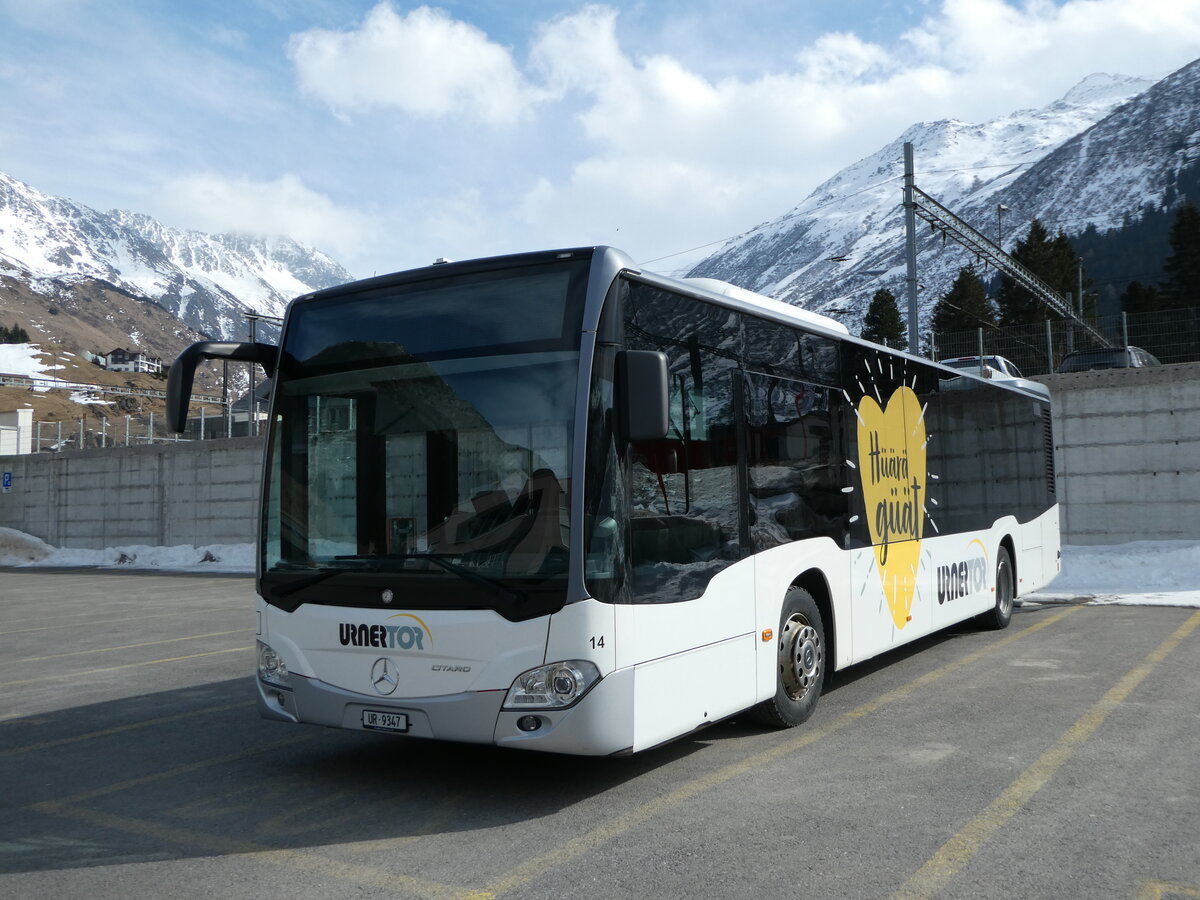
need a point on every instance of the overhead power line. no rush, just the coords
(1000, 165)
(917, 203)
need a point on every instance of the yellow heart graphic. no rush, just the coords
(891, 460)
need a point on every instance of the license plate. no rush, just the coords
(384, 721)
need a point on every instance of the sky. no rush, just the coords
(389, 134)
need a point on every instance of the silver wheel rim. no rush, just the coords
(1004, 591)
(801, 657)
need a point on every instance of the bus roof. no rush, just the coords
(767, 303)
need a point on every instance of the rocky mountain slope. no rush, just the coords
(207, 281)
(1108, 146)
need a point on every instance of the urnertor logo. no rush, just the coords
(390, 637)
(965, 577)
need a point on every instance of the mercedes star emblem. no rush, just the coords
(383, 676)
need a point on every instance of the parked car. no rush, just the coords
(984, 366)
(1107, 358)
(995, 368)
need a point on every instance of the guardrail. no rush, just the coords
(58, 384)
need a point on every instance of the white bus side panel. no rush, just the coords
(884, 617)
(954, 579)
(649, 631)
(959, 572)
(1029, 557)
(682, 692)
(1040, 559)
(1051, 549)
(693, 660)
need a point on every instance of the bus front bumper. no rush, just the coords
(598, 725)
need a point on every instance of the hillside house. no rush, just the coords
(122, 360)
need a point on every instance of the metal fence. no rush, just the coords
(98, 431)
(1172, 335)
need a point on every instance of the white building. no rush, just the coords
(122, 360)
(16, 432)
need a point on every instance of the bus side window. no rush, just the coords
(796, 465)
(684, 520)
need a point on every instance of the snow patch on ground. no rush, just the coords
(1142, 573)
(89, 399)
(23, 359)
(19, 549)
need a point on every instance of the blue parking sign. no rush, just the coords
(7, 483)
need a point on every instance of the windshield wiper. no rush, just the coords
(442, 561)
(308, 581)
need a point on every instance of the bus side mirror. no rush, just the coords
(642, 394)
(183, 371)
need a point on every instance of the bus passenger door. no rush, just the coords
(688, 632)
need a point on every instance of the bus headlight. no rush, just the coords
(271, 667)
(552, 687)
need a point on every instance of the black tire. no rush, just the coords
(800, 669)
(1001, 614)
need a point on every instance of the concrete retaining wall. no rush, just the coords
(1127, 448)
(158, 495)
(1127, 445)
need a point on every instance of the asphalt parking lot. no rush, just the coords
(1057, 758)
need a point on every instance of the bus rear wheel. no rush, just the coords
(1001, 614)
(800, 663)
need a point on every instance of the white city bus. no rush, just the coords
(555, 502)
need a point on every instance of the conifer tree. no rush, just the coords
(1140, 298)
(1182, 287)
(965, 306)
(1054, 261)
(14, 335)
(882, 323)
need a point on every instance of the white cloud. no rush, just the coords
(841, 57)
(998, 45)
(645, 150)
(676, 158)
(211, 202)
(424, 63)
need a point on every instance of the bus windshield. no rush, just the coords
(429, 465)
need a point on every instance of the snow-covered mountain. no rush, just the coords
(1097, 153)
(1110, 171)
(206, 280)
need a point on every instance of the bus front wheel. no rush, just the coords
(800, 663)
(1001, 614)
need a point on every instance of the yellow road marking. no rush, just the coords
(522, 874)
(363, 876)
(190, 637)
(933, 877)
(1157, 890)
(437, 822)
(534, 868)
(119, 729)
(137, 665)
